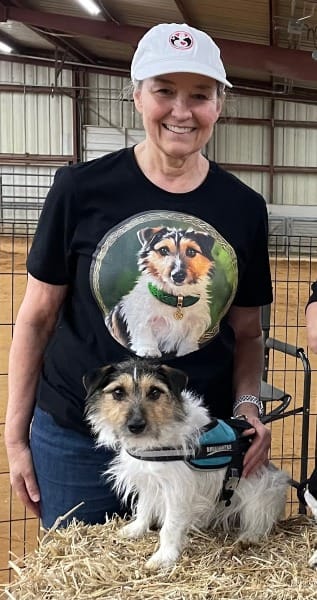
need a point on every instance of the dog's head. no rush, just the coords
(175, 256)
(134, 402)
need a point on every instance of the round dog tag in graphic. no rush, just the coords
(163, 281)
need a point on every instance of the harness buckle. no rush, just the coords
(230, 484)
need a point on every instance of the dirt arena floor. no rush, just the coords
(291, 279)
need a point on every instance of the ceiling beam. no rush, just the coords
(106, 14)
(10, 41)
(55, 40)
(130, 34)
(279, 62)
(183, 11)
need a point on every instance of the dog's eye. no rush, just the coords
(118, 394)
(191, 252)
(164, 251)
(154, 393)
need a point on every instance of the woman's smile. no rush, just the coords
(178, 129)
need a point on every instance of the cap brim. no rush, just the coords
(165, 67)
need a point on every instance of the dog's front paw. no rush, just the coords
(146, 351)
(133, 530)
(313, 560)
(311, 501)
(162, 559)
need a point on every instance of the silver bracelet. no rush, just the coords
(251, 400)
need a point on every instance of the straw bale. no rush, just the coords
(83, 562)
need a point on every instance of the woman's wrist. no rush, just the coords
(247, 403)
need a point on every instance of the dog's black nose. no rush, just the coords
(136, 425)
(179, 277)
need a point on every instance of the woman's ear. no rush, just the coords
(220, 103)
(137, 98)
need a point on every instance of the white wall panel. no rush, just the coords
(257, 181)
(110, 104)
(37, 123)
(295, 147)
(295, 189)
(235, 143)
(295, 111)
(246, 106)
(98, 141)
(101, 140)
(6, 122)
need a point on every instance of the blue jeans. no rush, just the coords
(69, 470)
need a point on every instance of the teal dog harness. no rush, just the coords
(221, 445)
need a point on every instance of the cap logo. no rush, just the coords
(181, 40)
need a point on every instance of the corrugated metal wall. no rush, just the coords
(102, 140)
(23, 191)
(36, 119)
(37, 123)
(109, 103)
(234, 141)
(255, 138)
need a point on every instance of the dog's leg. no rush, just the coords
(262, 499)
(312, 503)
(143, 340)
(172, 539)
(313, 560)
(143, 520)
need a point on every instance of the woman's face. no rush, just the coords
(179, 111)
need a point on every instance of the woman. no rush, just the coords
(151, 250)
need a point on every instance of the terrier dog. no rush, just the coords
(168, 309)
(142, 407)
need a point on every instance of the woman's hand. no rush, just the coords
(22, 476)
(258, 453)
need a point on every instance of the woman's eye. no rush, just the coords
(118, 394)
(200, 97)
(164, 91)
(154, 393)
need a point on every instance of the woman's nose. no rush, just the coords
(181, 107)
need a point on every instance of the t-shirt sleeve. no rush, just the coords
(313, 296)
(255, 285)
(50, 256)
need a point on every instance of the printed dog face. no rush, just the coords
(135, 400)
(174, 289)
(174, 256)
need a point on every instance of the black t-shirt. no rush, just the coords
(150, 272)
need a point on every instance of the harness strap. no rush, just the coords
(209, 454)
(160, 454)
(230, 484)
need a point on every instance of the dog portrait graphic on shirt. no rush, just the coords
(163, 283)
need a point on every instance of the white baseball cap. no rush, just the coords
(175, 48)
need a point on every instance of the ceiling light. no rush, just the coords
(91, 6)
(5, 48)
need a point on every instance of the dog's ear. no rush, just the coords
(176, 378)
(97, 379)
(148, 233)
(205, 241)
